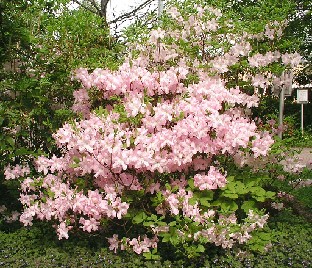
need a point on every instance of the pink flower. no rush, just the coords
(122, 209)
(2, 208)
(154, 187)
(16, 172)
(155, 35)
(89, 225)
(292, 59)
(269, 32)
(113, 242)
(62, 231)
(173, 203)
(211, 181)
(261, 145)
(259, 81)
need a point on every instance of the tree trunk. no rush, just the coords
(103, 14)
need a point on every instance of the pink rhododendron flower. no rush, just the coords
(16, 171)
(261, 145)
(213, 180)
(62, 231)
(113, 242)
(293, 59)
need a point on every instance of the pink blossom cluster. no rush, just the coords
(222, 235)
(14, 216)
(200, 28)
(49, 198)
(213, 180)
(292, 59)
(293, 165)
(224, 231)
(301, 183)
(170, 134)
(132, 81)
(221, 64)
(81, 103)
(260, 60)
(217, 232)
(3, 208)
(17, 171)
(277, 206)
(285, 196)
(260, 80)
(177, 122)
(180, 200)
(9, 216)
(274, 30)
(137, 245)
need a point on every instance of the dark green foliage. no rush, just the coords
(304, 195)
(38, 247)
(292, 247)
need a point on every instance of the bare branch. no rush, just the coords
(143, 20)
(96, 6)
(130, 13)
(87, 7)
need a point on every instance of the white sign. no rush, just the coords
(302, 95)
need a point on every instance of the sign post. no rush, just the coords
(285, 91)
(302, 98)
(160, 8)
(281, 112)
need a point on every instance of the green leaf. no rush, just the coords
(269, 194)
(151, 256)
(208, 195)
(10, 141)
(230, 195)
(247, 205)
(230, 178)
(174, 239)
(22, 151)
(148, 223)
(204, 202)
(228, 206)
(191, 183)
(200, 248)
(166, 237)
(241, 188)
(193, 200)
(140, 217)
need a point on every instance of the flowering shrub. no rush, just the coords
(153, 155)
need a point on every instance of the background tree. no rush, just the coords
(100, 8)
(43, 42)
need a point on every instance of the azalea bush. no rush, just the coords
(157, 152)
